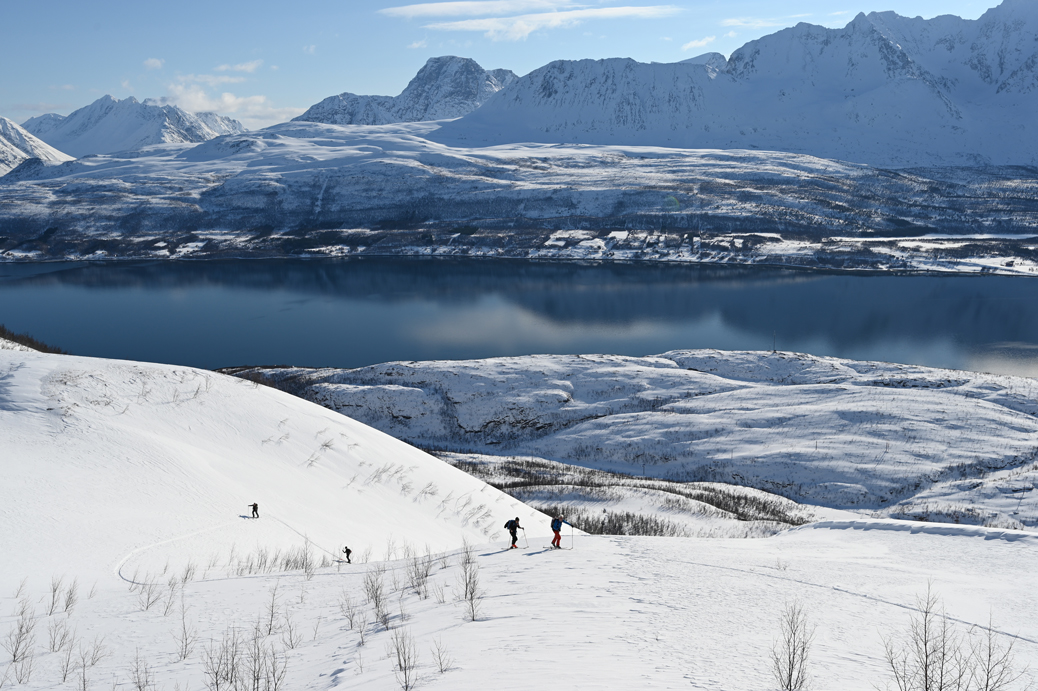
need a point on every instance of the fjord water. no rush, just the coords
(349, 313)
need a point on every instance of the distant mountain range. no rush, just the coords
(109, 125)
(17, 146)
(885, 90)
(811, 146)
(446, 87)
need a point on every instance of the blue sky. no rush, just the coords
(265, 62)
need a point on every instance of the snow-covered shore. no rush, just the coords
(310, 189)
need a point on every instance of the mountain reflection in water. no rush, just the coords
(348, 313)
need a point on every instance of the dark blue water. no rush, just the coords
(347, 313)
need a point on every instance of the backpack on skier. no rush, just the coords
(510, 525)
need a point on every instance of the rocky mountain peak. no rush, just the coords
(445, 87)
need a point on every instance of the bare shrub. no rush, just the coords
(790, 653)
(291, 636)
(184, 635)
(220, 661)
(67, 662)
(442, 657)
(993, 662)
(375, 590)
(418, 570)
(23, 668)
(56, 584)
(348, 608)
(20, 640)
(470, 592)
(58, 635)
(404, 654)
(147, 595)
(270, 618)
(141, 675)
(934, 656)
(71, 596)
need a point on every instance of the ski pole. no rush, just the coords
(526, 538)
(571, 536)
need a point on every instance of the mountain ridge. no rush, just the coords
(18, 145)
(109, 125)
(445, 87)
(883, 90)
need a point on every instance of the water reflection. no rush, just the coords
(349, 313)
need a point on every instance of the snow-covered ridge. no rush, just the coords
(17, 145)
(312, 188)
(109, 125)
(445, 87)
(885, 90)
(904, 440)
(149, 463)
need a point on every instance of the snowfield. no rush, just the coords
(897, 439)
(129, 560)
(137, 466)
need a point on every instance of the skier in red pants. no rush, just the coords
(556, 526)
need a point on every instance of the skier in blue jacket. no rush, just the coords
(556, 526)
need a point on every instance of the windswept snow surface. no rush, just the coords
(445, 87)
(885, 90)
(902, 440)
(114, 468)
(109, 125)
(613, 613)
(17, 145)
(312, 189)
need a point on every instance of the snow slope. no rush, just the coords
(885, 90)
(116, 467)
(17, 145)
(109, 125)
(902, 440)
(445, 87)
(617, 612)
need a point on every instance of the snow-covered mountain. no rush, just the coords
(108, 125)
(445, 87)
(310, 188)
(884, 90)
(18, 145)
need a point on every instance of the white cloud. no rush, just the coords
(476, 8)
(210, 79)
(666, 38)
(731, 34)
(753, 22)
(518, 28)
(249, 67)
(126, 85)
(417, 44)
(309, 50)
(255, 112)
(153, 64)
(699, 43)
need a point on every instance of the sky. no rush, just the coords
(264, 62)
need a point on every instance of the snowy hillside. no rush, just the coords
(903, 440)
(17, 145)
(885, 90)
(445, 87)
(309, 188)
(109, 125)
(123, 468)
